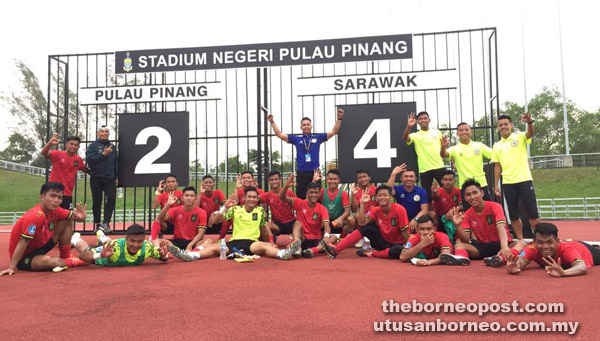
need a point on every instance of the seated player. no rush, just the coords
(444, 199)
(311, 219)
(386, 226)
(39, 230)
(486, 221)
(249, 223)
(337, 203)
(161, 196)
(413, 198)
(426, 245)
(363, 186)
(210, 200)
(282, 216)
(189, 221)
(558, 258)
(128, 251)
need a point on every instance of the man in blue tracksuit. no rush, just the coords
(101, 158)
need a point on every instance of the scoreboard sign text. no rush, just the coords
(152, 145)
(370, 137)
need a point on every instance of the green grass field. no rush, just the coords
(19, 191)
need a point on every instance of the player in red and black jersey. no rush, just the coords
(426, 245)
(39, 230)
(245, 180)
(312, 219)
(210, 200)
(282, 216)
(445, 197)
(558, 258)
(65, 165)
(165, 188)
(189, 221)
(386, 226)
(486, 221)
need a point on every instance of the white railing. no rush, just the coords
(559, 161)
(569, 208)
(10, 218)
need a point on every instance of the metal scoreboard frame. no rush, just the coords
(452, 75)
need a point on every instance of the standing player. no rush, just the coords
(282, 217)
(128, 251)
(427, 146)
(427, 244)
(189, 223)
(337, 203)
(558, 258)
(510, 156)
(485, 220)
(101, 157)
(39, 230)
(249, 223)
(386, 226)
(165, 188)
(307, 148)
(467, 157)
(65, 165)
(312, 219)
(413, 198)
(210, 200)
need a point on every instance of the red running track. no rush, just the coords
(319, 299)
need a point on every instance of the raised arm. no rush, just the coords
(409, 124)
(276, 130)
(445, 144)
(361, 218)
(397, 170)
(527, 119)
(283, 193)
(53, 142)
(338, 122)
(157, 193)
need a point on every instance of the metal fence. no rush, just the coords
(569, 208)
(562, 160)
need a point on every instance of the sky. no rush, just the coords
(32, 30)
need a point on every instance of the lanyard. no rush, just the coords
(307, 146)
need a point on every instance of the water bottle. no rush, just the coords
(120, 192)
(223, 250)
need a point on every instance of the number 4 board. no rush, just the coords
(370, 138)
(152, 145)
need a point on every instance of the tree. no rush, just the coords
(20, 149)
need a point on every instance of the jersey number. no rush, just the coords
(384, 152)
(146, 164)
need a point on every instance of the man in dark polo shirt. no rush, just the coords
(307, 148)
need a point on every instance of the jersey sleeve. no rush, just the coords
(170, 214)
(31, 224)
(230, 212)
(570, 255)
(221, 196)
(63, 214)
(202, 218)
(466, 223)
(53, 155)
(424, 199)
(345, 199)
(324, 213)
(372, 214)
(450, 152)
(402, 217)
(263, 197)
(523, 138)
(151, 250)
(411, 138)
(528, 254)
(412, 241)
(81, 163)
(486, 151)
(293, 139)
(442, 240)
(321, 137)
(495, 156)
(498, 214)
(296, 203)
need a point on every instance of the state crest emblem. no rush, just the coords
(127, 64)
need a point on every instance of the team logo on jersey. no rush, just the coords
(373, 198)
(76, 163)
(127, 64)
(216, 201)
(31, 229)
(522, 254)
(51, 227)
(315, 216)
(476, 151)
(394, 222)
(490, 219)
(514, 143)
(255, 216)
(178, 201)
(455, 198)
(402, 195)
(194, 217)
(408, 245)
(417, 197)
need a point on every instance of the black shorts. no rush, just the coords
(25, 262)
(486, 249)
(486, 197)
(180, 243)
(285, 228)
(524, 191)
(240, 244)
(214, 229)
(427, 180)
(337, 230)
(170, 229)
(66, 202)
(594, 251)
(372, 232)
(308, 243)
